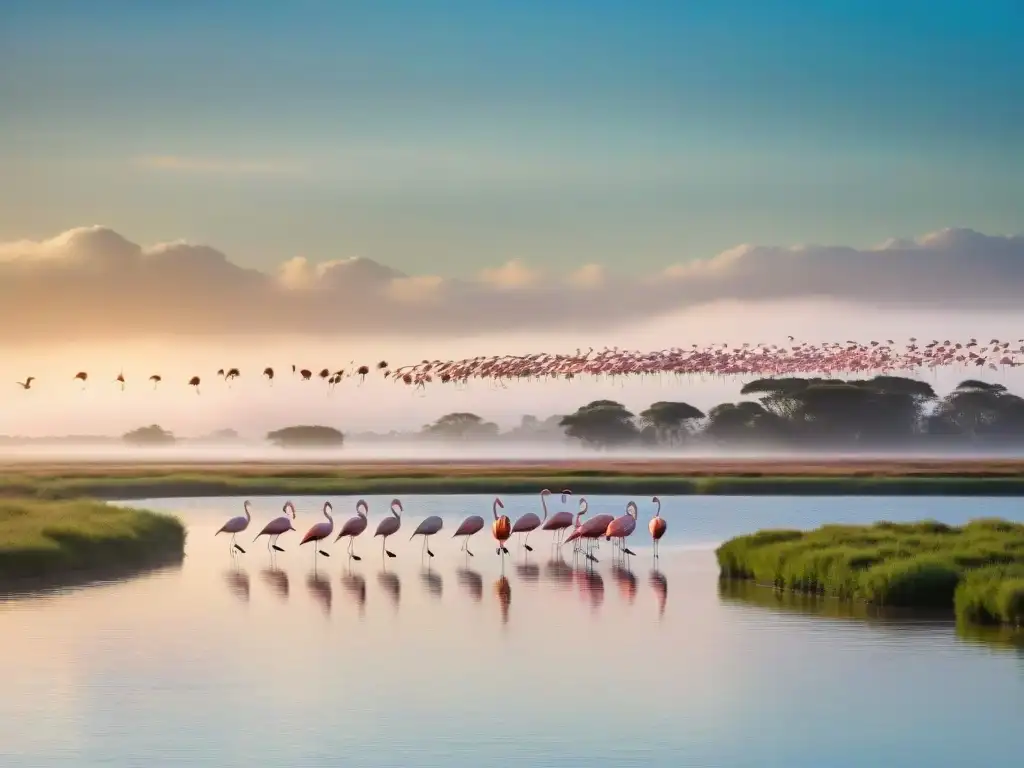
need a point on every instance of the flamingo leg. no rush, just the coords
(235, 544)
(426, 540)
(526, 542)
(274, 545)
(388, 552)
(466, 545)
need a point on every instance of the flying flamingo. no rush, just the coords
(120, 380)
(277, 526)
(657, 526)
(235, 526)
(529, 522)
(320, 531)
(501, 528)
(389, 526)
(194, 382)
(426, 529)
(559, 521)
(27, 384)
(623, 526)
(156, 378)
(469, 526)
(83, 377)
(269, 373)
(354, 526)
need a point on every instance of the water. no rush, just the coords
(221, 664)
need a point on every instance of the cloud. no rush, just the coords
(91, 283)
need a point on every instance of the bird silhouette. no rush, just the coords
(27, 383)
(194, 382)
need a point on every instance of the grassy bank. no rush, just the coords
(784, 478)
(977, 569)
(56, 541)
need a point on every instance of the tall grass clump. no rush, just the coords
(47, 539)
(978, 568)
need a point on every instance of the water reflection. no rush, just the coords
(277, 580)
(391, 584)
(432, 581)
(528, 571)
(559, 572)
(320, 589)
(504, 592)
(355, 585)
(472, 581)
(238, 583)
(591, 584)
(660, 586)
(626, 582)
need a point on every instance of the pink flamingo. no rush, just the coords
(235, 526)
(354, 526)
(469, 526)
(623, 526)
(320, 531)
(389, 526)
(530, 522)
(501, 528)
(657, 526)
(577, 526)
(592, 530)
(426, 529)
(277, 526)
(559, 521)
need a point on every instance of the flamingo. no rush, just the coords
(235, 526)
(27, 383)
(355, 526)
(320, 531)
(559, 521)
(83, 377)
(277, 526)
(469, 526)
(389, 526)
(657, 526)
(577, 526)
(120, 380)
(156, 378)
(501, 528)
(623, 526)
(269, 373)
(194, 382)
(426, 529)
(530, 522)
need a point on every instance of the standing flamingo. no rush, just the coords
(623, 526)
(235, 526)
(355, 526)
(501, 528)
(426, 529)
(389, 526)
(469, 526)
(577, 526)
(657, 526)
(320, 531)
(277, 526)
(559, 521)
(529, 522)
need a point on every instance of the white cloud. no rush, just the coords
(93, 283)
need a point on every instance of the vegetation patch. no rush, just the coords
(55, 541)
(976, 569)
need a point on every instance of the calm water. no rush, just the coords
(251, 664)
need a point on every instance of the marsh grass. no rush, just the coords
(976, 569)
(48, 540)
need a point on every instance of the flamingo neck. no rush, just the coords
(245, 506)
(544, 503)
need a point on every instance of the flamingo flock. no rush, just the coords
(837, 358)
(585, 535)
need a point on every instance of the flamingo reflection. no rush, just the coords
(355, 585)
(472, 581)
(320, 589)
(591, 585)
(277, 580)
(558, 572)
(626, 582)
(504, 592)
(238, 583)
(389, 583)
(432, 581)
(660, 585)
(528, 571)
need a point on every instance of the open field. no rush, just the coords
(108, 480)
(59, 541)
(977, 569)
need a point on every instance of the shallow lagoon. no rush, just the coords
(238, 662)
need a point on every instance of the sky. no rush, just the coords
(462, 176)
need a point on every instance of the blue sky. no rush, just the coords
(444, 138)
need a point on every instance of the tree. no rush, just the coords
(461, 426)
(976, 410)
(745, 421)
(602, 423)
(670, 421)
(154, 434)
(306, 437)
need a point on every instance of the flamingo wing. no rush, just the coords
(527, 522)
(469, 526)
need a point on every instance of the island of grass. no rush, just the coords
(976, 570)
(50, 543)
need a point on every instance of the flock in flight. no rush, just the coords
(565, 527)
(762, 360)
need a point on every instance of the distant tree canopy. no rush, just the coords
(306, 437)
(669, 422)
(154, 434)
(602, 424)
(461, 426)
